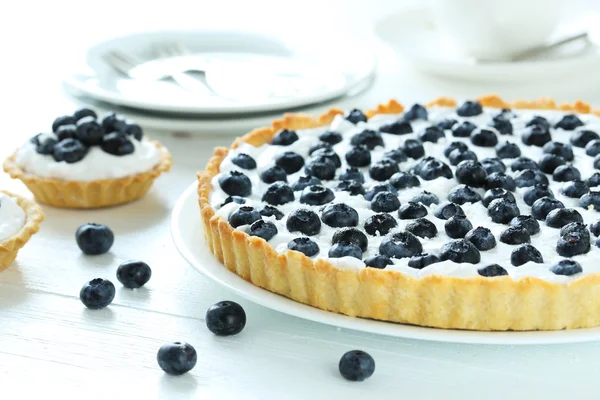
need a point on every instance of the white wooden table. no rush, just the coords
(51, 345)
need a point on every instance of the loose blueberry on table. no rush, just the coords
(225, 318)
(94, 239)
(470, 185)
(97, 293)
(177, 358)
(134, 274)
(356, 365)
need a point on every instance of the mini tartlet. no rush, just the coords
(32, 218)
(523, 293)
(89, 163)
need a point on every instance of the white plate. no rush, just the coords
(196, 125)
(256, 73)
(413, 34)
(188, 236)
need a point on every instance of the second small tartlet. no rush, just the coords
(87, 162)
(20, 218)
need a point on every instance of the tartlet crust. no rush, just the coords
(89, 194)
(473, 303)
(33, 218)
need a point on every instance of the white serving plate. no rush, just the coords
(188, 235)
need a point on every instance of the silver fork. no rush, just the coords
(168, 50)
(124, 63)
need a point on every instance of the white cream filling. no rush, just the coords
(12, 217)
(545, 241)
(97, 164)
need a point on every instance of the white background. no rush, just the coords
(51, 345)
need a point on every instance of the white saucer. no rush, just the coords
(413, 34)
(255, 73)
(188, 235)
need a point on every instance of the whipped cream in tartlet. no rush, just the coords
(96, 165)
(545, 241)
(12, 217)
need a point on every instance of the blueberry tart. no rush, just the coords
(496, 230)
(20, 218)
(88, 161)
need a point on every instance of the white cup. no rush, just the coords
(496, 29)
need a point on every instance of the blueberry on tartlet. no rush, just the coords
(244, 215)
(460, 251)
(355, 116)
(422, 227)
(273, 174)
(244, 161)
(469, 109)
(447, 210)
(351, 235)
(304, 245)
(463, 129)
(412, 210)
(426, 198)
(117, 144)
(284, 137)
(525, 253)
(339, 215)
(400, 245)
(380, 224)
(493, 164)
(457, 226)
(422, 260)
(492, 270)
(497, 193)
(262, 229)
(304, 221)
(235, 184)
(482, 238)
(345, 249)
(379, 261)
(69, 151)
(278, 193)
(381, 187)
(316, 195)
(527, 222)
(416, 112)
(463, 194)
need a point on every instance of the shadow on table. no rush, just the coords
(12, 290)
(139, 296)
(101, 316)
(102, 260)
(177, 384)
(139, 215)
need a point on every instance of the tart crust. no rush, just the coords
(89, 194)
(473, 303)
(33, 218)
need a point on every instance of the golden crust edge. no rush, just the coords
(474, 303)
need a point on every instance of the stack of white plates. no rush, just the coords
(248, 78)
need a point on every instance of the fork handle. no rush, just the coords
(190, 83)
